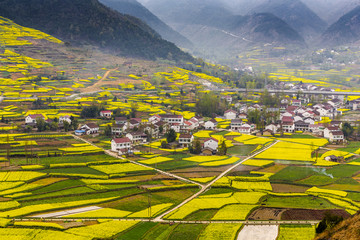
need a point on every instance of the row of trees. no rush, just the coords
(42, 125)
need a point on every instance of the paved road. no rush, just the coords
(313, 222)
(294, 91)
(205, 188)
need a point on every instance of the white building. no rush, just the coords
(211, 124)
(169, 118)
(137, 137)
(328, 130)
(230, 114)
(105, 114)
(90, 128)
(31, 118)
(212, 144)
(63, 119)
(186, 139)
(121, 145)
(337, 136)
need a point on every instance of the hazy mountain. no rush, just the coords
(136, 9)
(331, 10)
(345, 30)
(296, 14)
(211, 26)
(189, 11)
(88, 21)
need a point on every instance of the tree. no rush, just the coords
(54, 126)
(74, 124)
(197, 147)
(163, 144)
(66, 126)
(347, 129)
(328, 222)
(210, 104)
(40, 124)
(108, 131)
(222, 149)
(171, 136)
(161, 129)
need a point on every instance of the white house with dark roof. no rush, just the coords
(118, 129)
(121, 145)
(330, 129)
(230, 114)
(211, 124)
(336, 136)
(137, 137)
(121, 120)
(185, 140)
(170, 118)
(31, 118)
(212, 144)
(236, 124)
(90, 128)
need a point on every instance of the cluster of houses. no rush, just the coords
(32, 119)
(293, 117)
(298, 87)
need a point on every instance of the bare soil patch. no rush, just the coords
(309, 214)
(287, 188)
(267, 214)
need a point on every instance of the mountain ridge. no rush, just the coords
(90, 22)
(136, 9)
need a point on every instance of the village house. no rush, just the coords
(235, 124)
(137, 137)
(288, 127)
(65, 118)
(185, 140)
(301, 126)
(230, 114)
(330, 129)
(245, 129)
(133, 123)
(31, 118)
(171, 119)
(272, 127)
(176, 127)
(121, 120)
(336, 136)
(88, 129)
(106, 114)
(154, 119)
(211, 145)
(118, 129)
(121, 145)
(211, 124)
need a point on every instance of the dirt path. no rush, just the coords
(99, 83)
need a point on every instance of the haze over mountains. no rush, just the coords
(203, 27)
(212, 26)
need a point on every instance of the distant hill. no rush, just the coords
(211, 26)
(294, 12)
(331, 10)
(345, 30)
(136, 9)
(88, 21)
